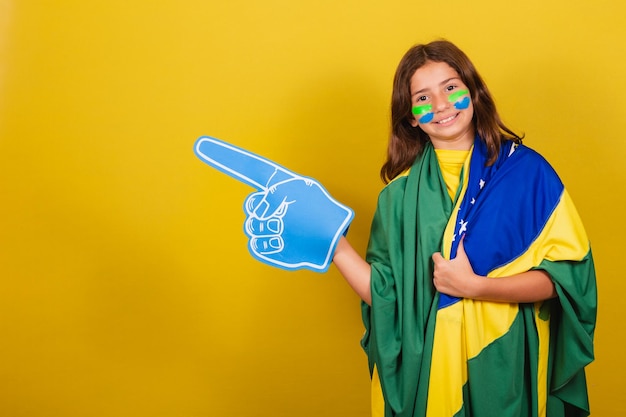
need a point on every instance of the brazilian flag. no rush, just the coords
(438, 356)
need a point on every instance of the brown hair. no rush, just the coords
(407, 142)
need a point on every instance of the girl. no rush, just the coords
(478, 286)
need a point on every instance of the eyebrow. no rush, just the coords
(441, 83)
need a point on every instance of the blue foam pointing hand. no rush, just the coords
(291, 221)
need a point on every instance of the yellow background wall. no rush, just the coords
(126, 285)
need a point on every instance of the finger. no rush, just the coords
(437, 257)
(267, 245)
(255, 227)
(262, 205)
(460, 250)
(253, 202)
(240, 164)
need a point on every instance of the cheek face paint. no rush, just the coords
(425, 111)
(460, 103)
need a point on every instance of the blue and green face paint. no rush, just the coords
(460, 99)
(425, 113)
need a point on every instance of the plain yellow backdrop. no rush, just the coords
(126, 284)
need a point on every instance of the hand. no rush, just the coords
(292, 221)
(455, 277)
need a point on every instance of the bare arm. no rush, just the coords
(457, 278)
(354, 269)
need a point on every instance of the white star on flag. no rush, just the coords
(463, 227)
(481, 183)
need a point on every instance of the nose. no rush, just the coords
(440, 102)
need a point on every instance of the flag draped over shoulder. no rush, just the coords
(435, 355)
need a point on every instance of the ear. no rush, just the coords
(413, 121)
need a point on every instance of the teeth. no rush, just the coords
(447, 119)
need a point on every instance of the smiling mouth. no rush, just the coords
(447, 119)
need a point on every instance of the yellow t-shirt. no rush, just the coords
(451, 164)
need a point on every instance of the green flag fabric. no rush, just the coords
(435, 355)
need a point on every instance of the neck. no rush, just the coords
(462, 143)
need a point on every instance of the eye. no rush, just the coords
(450, 88)
(422, 98)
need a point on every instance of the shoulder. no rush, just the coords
(396, 185)
(527, 168)
(523, 157)
(401, 177)
(522, 153)
(391, 197)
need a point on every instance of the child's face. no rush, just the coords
(442, 106)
